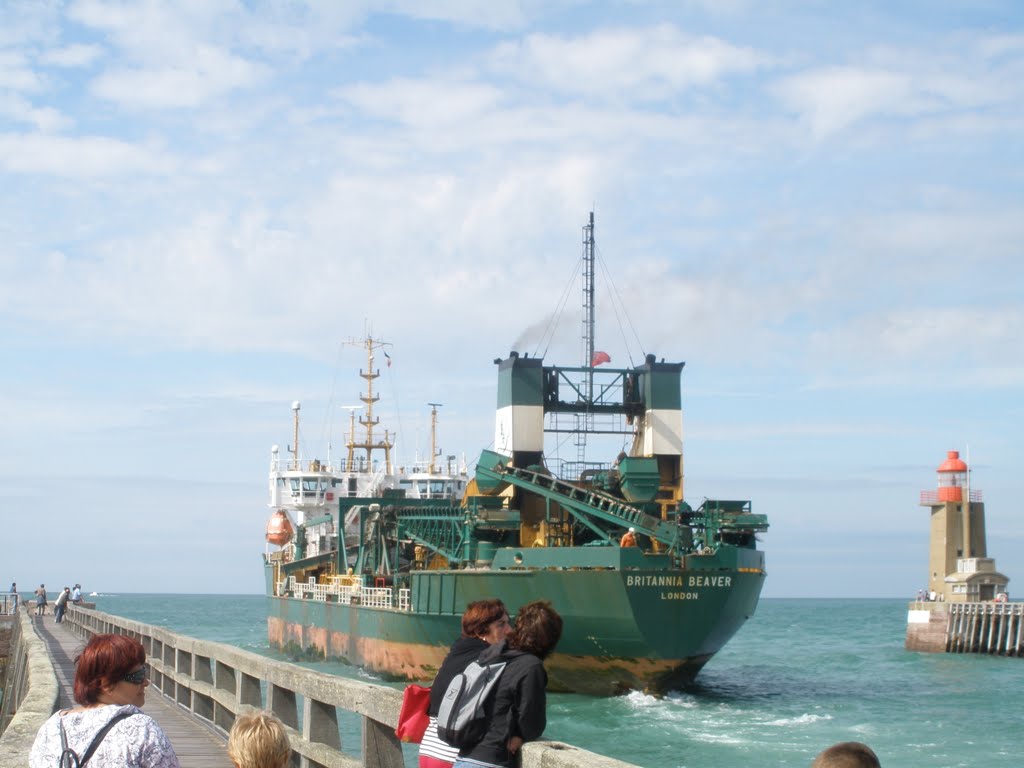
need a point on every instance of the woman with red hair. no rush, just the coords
(484, 623)
(108, 728)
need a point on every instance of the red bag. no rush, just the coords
(413, 718)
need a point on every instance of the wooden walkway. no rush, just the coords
(197, 744)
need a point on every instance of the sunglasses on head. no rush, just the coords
(138, 676)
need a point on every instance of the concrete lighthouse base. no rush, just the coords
(927, 627)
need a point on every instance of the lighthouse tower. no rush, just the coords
(959, 569)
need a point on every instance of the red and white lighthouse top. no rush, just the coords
(952, 477)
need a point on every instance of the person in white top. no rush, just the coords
(110, 685)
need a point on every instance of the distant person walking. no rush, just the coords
(76, 594)
(847, 754)
(110, 685)
(60, 605)
(41, 600)
(259, 740)
(14, 591)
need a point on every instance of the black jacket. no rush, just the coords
(463, 651)
(518, 708)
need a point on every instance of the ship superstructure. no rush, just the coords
(647, 616)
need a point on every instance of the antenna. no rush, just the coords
(584, 420)
(588, 305)
(294, 448)
(966, 507)
(433, 435)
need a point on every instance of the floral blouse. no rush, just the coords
(134, 742)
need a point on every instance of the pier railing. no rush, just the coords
(30, 692)
(991, 627)
(215, 682)
(995, 628)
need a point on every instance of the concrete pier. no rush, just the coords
(988, 627)
(209, 683)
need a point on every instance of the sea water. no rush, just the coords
(799, 676)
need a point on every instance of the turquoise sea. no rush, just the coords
(802, 674)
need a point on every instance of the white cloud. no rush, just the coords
(437, 103)
(832, 99)
(156, 31)
(977, 74)
(46, 119)
(208, 75)
(75, 55)
(16, 73)
(624, 65)
(929, 338)
(75, 158)
(510, 14)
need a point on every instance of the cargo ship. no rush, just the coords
(649, 587)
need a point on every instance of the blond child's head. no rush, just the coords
(847, 754)
(258, 740)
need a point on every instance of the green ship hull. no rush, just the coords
(634, 626)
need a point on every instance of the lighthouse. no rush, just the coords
(959, 569)
(967, 608)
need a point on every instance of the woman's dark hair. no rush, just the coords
(538, 629)
(480, 615)
(103, 662)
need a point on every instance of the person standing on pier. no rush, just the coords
(110, 685)
(517, 711)
(76, 594)
(60, 605)
(41, 600)
(14, 591)
(484, 623)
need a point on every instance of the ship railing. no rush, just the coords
(377, 597)
(332, 721)
(321, 592)
(374, 597)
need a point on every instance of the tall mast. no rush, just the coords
(433, 433)
(584, 421)
(588, 305)
(369, 422)
(350, 444)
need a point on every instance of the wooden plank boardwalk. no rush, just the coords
(197, 744)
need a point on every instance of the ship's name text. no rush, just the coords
(678, 581)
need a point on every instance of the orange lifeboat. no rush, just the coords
(279, 528)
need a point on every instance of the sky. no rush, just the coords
(203, 204)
